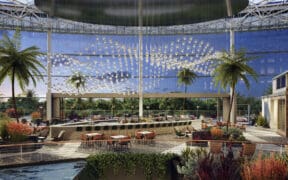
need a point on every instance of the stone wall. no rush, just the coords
(73, 132)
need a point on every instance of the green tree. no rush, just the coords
(186, 77)
(230, 69)
(77, 80)
(17, 64)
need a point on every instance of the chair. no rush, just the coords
(109, 142)
(138, 136)
(178, 133)
(84, 141)
(43, 134)
(60, 136)
(124, 143)
(98, 139)
(149, 138)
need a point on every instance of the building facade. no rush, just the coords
(274, 107)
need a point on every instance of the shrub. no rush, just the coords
(261, 121)
(11, 112)
(265, 168)
(153, 165)
(190, 159)
(218, 168)
(3, 128)
(201, 165)
(17, 131)
(3, 115)
(233, 133)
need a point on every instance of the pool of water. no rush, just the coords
(57, 171)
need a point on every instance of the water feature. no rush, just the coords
(66, 170)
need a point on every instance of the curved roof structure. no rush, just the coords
(260, 16)
(152, 12)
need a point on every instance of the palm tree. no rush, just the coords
(17, 64)
(230, 69)
(30, 93)
(78, 81)
(186, 77)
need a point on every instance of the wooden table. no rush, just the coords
(144, 132)
(118, 137)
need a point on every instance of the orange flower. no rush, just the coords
(216, 132)
(15, 128)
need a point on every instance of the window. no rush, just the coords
(281, 82)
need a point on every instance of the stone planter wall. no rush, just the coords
(74, 132)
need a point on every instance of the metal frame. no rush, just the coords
(258, 16)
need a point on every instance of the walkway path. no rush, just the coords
(255, 134)
(164, 143)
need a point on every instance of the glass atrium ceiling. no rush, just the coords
(110, 62)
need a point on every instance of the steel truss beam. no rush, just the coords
(260, 16)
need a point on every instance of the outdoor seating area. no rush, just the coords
(202, 83)
(116, 142)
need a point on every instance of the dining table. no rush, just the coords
(117, 137)
(144, 132)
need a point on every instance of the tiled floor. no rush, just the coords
(162, 144)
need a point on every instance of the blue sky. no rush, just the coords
(110, 64)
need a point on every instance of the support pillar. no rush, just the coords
(140, 59)
(56, 108)
(48, 94)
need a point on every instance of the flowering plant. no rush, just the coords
(18, 131)
(35, 115)
(265, 168)
(216, 133)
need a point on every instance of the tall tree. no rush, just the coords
(77, 80)
(230, 69)
(186, 77)
(17, 64)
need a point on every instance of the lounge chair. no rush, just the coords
(43, 134)
(178, 133)
(60, 136)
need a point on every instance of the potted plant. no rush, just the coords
(248, 148)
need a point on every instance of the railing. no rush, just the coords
(34, 153)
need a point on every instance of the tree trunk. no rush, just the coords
(13, 95)
(184, 100)
(230, 108)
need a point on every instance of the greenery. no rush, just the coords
(153, 164)
(198, 164)
(18, 64)
(77, 80)
(190, 158)
(129, 106)
(230, 69)
(233, 133)
(3, 127)
(18, 132)
(261, 121)
(186, 77)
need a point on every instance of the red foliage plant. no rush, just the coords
(265, 169)
(11, 112)
(15, 128)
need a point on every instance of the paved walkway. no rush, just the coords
(266, 139)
